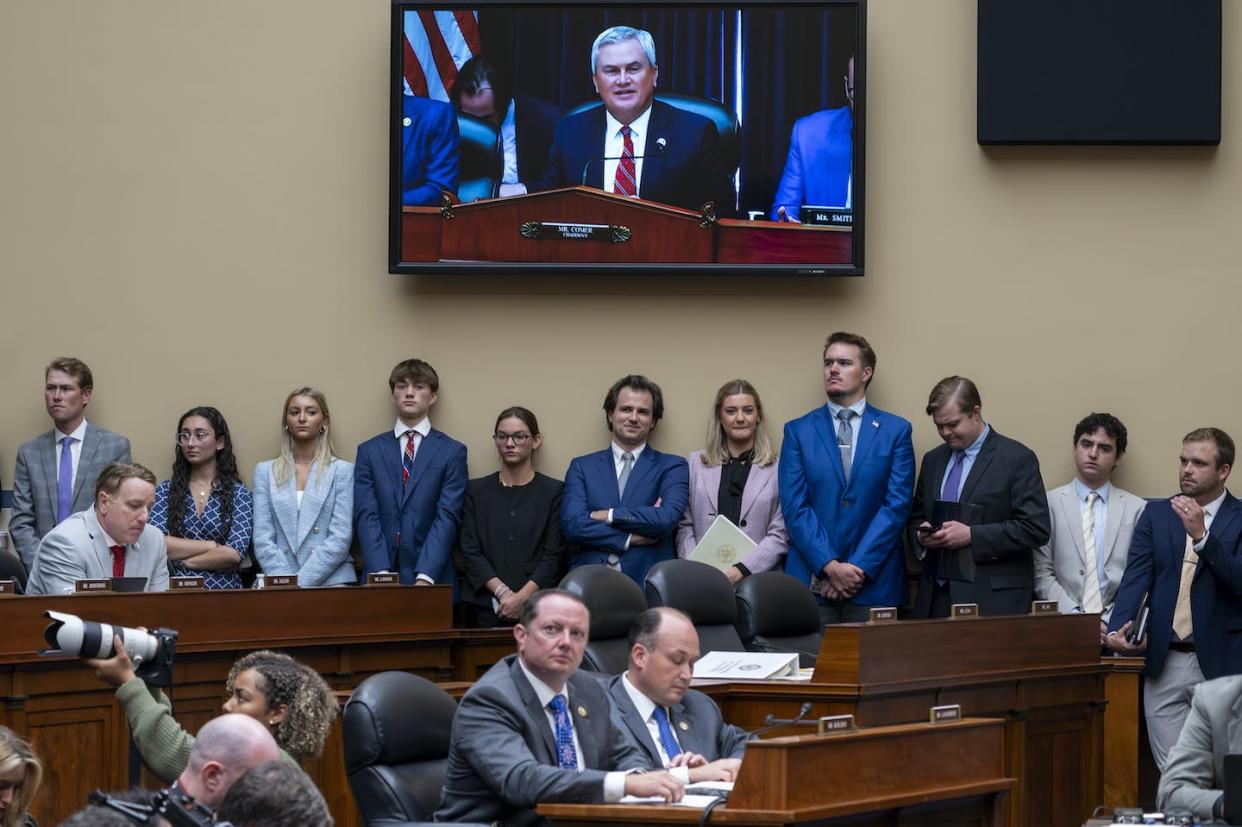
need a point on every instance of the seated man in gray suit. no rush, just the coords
(534, 730)
(1080, 567)
(56, 471)
(675, 726)
(1194, 775)
(110, 540)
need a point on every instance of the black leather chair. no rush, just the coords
(715, 111)
(704, 594)
(396, 729)
(778, 613)
(615, 602)
(11, 568)
(480, 158)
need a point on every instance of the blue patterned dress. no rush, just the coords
(208, 527)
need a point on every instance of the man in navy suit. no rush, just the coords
(1186, 555)
(635, 145)
(819, 166)
(620, 506)
(846, 473)
(430, 158)
(409, 484)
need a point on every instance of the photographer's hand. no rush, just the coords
(116, 670)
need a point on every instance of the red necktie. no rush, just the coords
(626, 181)
(407, 459)
(118, 561)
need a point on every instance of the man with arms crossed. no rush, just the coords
(534, 730)
(845, 478)
(1092, 523)
(1186, 556)
(56, 472)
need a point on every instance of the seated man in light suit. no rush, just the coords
(819, 167)
(635, 145)
(534, 730)
(110, 540)
(675, 726)
(430, 152)
(1195, 773)
(56, 471)
(1092, 523)
(621, 506)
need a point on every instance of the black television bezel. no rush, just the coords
(487, 268)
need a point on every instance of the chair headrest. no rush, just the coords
(613, 599)
(396, 718)
(772, 604)
(701, 591)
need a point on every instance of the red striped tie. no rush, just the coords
(118, 561)
(626, 182)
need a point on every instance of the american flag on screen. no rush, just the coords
(436, 44)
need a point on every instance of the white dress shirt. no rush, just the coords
(618, 464)
(646, 709)
(1100, 515)
(420, 433)
(1209, 514)
(614, 146)
(75, 450)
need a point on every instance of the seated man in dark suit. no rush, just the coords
(634, 145)
(675, 726)
(534, 730)
(430, 157)
(525, 123)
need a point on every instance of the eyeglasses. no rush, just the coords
(193, 437)
(519, 439)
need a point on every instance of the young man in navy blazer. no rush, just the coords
(620, 506)
(846, 479)
(409, 484)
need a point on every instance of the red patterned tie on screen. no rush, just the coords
(118, 561)
(626, 182)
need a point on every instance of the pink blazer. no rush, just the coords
(761, 513)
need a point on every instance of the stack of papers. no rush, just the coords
(723, 545)
(747, 666)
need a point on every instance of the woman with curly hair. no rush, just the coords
(204, 509)
(292, 700)
(20, 774)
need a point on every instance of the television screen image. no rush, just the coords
(667, 138)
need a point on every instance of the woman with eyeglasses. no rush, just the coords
(735, 476)
(304, 499)
(511, 543)
(204, 509)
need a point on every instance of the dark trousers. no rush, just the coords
(842, 611)
(482, 617)
(941, 600)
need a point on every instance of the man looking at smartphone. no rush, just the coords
(1185, 558)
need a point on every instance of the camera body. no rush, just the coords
(152, 652)
(171, 804)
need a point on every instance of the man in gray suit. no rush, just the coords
(534, 730)
(110, 540)
(1195, 772)
(56, 471)
(1092, 523)
(675, 726)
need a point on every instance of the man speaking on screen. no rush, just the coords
(634, 145)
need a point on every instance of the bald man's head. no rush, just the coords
(224, 749)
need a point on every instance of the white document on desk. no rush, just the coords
(723, 545)
(747, 666)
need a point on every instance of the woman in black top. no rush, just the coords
(511, 543)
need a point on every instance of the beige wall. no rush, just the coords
(192, 199)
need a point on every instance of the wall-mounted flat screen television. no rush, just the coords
(663, 138)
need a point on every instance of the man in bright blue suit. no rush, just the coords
(621, 506)
(846, 480)
(819, 166)
(1186, 555)
(409, 485)
(430, 157)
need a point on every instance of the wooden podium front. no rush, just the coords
(913, 775)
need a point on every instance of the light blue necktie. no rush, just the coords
(845, 440)
(666, 733)
(64, 482)
(566, 755)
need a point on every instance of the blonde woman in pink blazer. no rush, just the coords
(736, 476)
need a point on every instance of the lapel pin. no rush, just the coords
(582, 712)
(875, 423)
(683, 726)
(406, 121)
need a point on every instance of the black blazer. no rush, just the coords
(1004, 483)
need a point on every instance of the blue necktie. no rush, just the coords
(64, 482)
(566, 755)
(666, 733)
(953, 482)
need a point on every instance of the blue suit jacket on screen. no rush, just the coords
(817, 169)
(1155, 565)
(412, 528)
(686, 173)
(430, 157)
(591, 483)
(859, 522)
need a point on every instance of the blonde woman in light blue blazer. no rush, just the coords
(304, 499)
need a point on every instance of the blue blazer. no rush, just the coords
(817, 169)
(591, 483)
(860, 522)
(430, 158)
(312, 541)
(1155, 565)
(410, 529)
